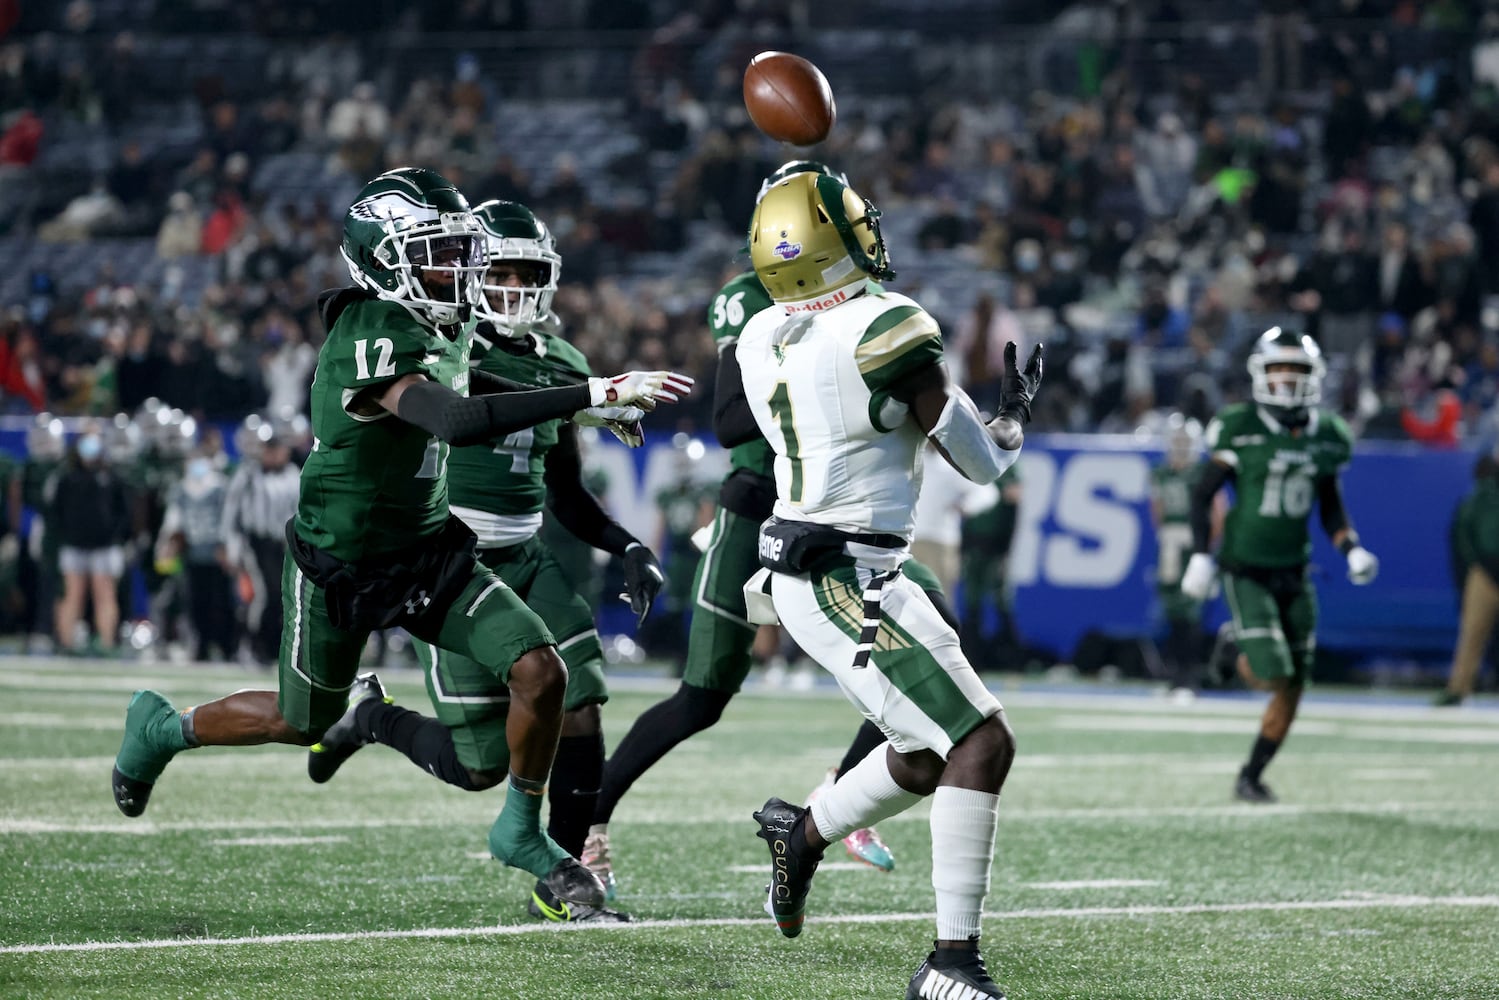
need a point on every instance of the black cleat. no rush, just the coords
(1448, 699)
(130, 795)
(790, 873)
(962, 978)
(545, 904)
(569, 882)
(1249, 789)
(343, 739)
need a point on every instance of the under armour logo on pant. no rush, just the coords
(421, 600)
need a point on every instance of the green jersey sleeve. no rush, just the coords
(1335, 443)
(1225, 433)
(731, 308)
(375, 342)
(568, 361)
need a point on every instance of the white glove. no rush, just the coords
(1199, 576)
(599, 416)
(642, 389)
(1363, 565)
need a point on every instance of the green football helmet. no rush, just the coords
(411, 239)
(1289, 392)
(793, 167)
(520, 247)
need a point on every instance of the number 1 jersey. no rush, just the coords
(818, 385)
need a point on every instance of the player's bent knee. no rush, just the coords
(472, 779)
(701, 707)
(989, 749)
(540, 676)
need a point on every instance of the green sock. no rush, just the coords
(153, 736)
(517, 839)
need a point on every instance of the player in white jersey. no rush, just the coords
(847, 383)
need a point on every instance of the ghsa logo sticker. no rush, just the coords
(787, 250)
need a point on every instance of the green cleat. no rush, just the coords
(545, 904)
(153, 736)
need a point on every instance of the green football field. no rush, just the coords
(1123, 867)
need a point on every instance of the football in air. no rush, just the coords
(788, 98)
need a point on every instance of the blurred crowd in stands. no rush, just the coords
(1149, 186)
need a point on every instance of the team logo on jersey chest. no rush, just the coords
(787, 250)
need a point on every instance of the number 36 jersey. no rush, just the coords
(1275, 475)
(373, 484)
(818, 386)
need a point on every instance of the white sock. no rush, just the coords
(862, 796)
(963, 822)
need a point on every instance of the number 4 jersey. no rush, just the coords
(373, 484)
(499, 488)
(1275, 476)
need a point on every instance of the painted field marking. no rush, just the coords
(1392, 774)
(508, 930)
(1095, 883)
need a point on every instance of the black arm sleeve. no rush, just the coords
(482, 383)
(733, 423)
(578, 510)
(1209, 482)
(461, 420)
(1330, 508)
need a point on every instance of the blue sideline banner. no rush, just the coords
(1084, 553)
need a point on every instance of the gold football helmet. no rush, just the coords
(812, 235)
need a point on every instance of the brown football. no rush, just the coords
(788, 98)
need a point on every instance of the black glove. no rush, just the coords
(643, 580)
(1019, 387)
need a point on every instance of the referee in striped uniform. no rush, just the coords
(261, 497)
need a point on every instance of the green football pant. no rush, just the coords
(486, 626)
(1275, 623)
(466, 696)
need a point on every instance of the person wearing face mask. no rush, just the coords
(86, 503)
(192, 530)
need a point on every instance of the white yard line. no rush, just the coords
(510, 930)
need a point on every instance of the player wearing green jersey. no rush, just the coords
(373, 546)
(500, 488)
(721, 638)
(1281, 453)
(1171, 485)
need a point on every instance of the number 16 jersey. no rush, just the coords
(1275, 475)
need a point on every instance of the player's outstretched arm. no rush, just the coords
(463, 420)
(980, 451)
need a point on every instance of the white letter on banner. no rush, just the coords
(1095, 502)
